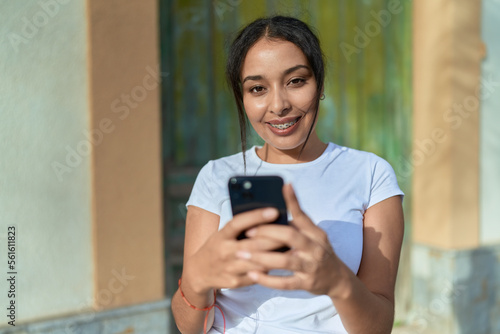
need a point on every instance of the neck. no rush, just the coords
(313, 150)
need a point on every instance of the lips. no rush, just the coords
(281, 121)
(283, 126)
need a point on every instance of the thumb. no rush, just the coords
(300, 219)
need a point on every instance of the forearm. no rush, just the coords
(361, 310)
(187, 319)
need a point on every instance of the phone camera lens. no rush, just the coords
(247, 185)
(234, 184)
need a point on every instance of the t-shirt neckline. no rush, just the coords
(253, 155)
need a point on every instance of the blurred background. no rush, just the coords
(108, 109)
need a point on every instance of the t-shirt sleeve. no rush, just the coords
(203, 193)
(384, 183)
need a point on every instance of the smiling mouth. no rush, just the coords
(283, 126)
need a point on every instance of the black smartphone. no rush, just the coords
(254, 192)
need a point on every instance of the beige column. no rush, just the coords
(126, 165)
(447, 52)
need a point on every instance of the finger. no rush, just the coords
(311, 245)
(276, 260)
(285, 235)
(300, 219)
(246, 220)
(233, 281)
(242, 266)
(260, 244)
(294, 282)
(244, 280)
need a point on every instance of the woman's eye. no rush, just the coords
(257, 89)
(297, 81)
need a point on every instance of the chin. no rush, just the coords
(285, 146)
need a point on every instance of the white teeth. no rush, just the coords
(284, 125)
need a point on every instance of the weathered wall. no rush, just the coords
(456, 252)
(125, 107)
(44, 183)
(446, 75)
(80, 167)
(490, 126)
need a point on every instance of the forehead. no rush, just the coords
(268, 56)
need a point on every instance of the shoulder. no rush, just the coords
(362, 160)
(224, 166)
(231, 161)
(368, 171)
(210, 187)
(216, 173)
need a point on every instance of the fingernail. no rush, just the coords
(243, 255)
(253, 275)
(269, 213)
(251, 232)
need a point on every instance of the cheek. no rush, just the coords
(304, 100)
(255, 110)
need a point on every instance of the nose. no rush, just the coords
(279, 105)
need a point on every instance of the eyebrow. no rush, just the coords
(288, 71)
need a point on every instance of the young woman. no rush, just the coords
(347, 227)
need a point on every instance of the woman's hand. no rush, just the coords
(210, 262)
(315, 265)
(217, 263)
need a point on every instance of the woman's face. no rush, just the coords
(279, 91)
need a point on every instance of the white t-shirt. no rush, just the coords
(334, 191)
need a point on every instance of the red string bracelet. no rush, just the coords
(208, 308)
